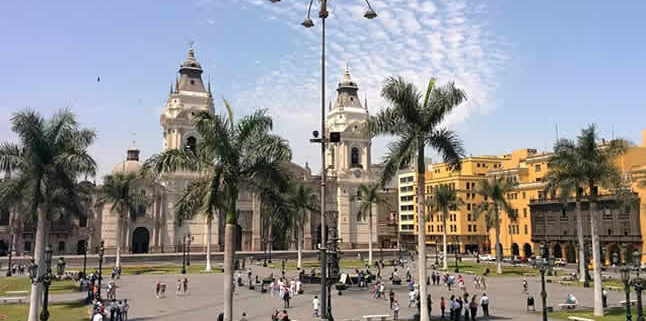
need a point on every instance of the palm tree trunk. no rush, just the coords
(421, 235)
(596, 260)
(499, 250)
(229, 252)
(579, 231)
(39, 256)
(209, 226)
(299, 264)
(118, 240)
(445, 263)
(370, 236)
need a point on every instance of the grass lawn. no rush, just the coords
(24, 284)
(68, 312)
(479, 268)
(149, 269)
(308, 265)
(612, 314)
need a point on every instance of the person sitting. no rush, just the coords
(571, 299)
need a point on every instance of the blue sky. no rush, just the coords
(526, 65)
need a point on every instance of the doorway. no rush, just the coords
(140, 240)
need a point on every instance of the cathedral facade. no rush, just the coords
(154, 229)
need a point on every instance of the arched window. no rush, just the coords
(354, 157)
(191, 143)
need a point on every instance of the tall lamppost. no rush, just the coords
(544, 263)
(625, 277)
(437, 261)
(101, 251)
(10, 254)
(457, 252)
(264, 263)
(333, 137)
(45, 279)
(84, 249)
(184, 256)
(188, 249)
(270, 246)
(638, 284)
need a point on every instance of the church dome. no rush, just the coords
(131, 165)
(190, 61)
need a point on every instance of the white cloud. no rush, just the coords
(418, 39)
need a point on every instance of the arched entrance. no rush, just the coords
(140, 240)
(81, 246)
(527, 249)
(570, 254)
(558, 253)
(612, 249)
(238, 238)
(515, 250)
(4, 248)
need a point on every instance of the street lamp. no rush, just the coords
(84, 249)
(264, 264)
(101, 251)
(457, 252)
(638, 284)
(437, 261)
(188, 249)
(10, 255)
(45, 279)
(184, 256)
(544, 263)
(625, 277)
(308, 23)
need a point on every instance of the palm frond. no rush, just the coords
(447, 143)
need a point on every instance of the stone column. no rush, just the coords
(344, 220)
(256, 223)
(307, 232)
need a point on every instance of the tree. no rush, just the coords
(443, 200)
(368, 196)
(494, 191)
(242, 154)
(120, 191)
(302, 201)
(417, 121)
(202, 196)
(45, 163)
(594, 165)
(567, 184)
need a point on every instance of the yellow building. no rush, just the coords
(464, 231)
(528, 168)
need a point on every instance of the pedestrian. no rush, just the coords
(442, 306)
(185, 284)
(473, 306)
(178, 288)
(126, 307)
(316, 304)
(113, 309)
(162, 291)
(382, 291)
(99, 315)
(429, 304)
(391, 296)
(157, 288)
(244, 317)
(120, 311)
(458, 308)
(284, 316)
(286, 298)
(395, 308)
(411, 298)
(452, 304)
(484, 303)
(221, 317)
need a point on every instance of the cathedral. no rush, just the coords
(154, 230)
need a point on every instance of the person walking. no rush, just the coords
(442, 306)
(126, 307)
(157, 288)
(113, 309)
(185, 285)
(244, 317)
(391, 296)
(395, 308)
(411, 298)
(316, 305)
(286, 298)
(178, 287)
(473, 307)
(484, 303)
(429, 304)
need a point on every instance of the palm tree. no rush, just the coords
(443, 200)
(368, 196)
(594, 165)
(417, 120)
(49, 156)
(302, 201)
(566, 184)
(119, 190)
(243, 154)
(202, 196)
(493, 191)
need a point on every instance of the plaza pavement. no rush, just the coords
(205, 298)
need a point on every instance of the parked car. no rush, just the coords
(487, 257)
(559, 262)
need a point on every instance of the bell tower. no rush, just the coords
(348, 116)
(187, 97)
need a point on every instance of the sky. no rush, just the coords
(527, 67)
